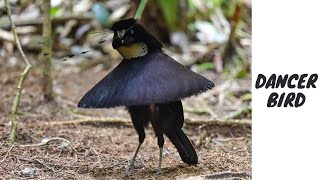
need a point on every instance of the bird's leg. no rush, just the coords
(137, 113)
(160, 143)
(160, 161)
(131, 165)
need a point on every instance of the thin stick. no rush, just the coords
(99, 159)
(117, 120)
(45, 165)
(39, 162)
(140, 9)
(16, 102)
(47, 84)
(223, 175)
(228, 174)
(45, 142)
(7, 154)
(88, 119)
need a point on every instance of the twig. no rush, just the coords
(25, 21)
(196, 110)
(92, 120)
(239, 113)
(127, 122)
(39, 162)
(73, 173)
(220, 122)
(7, 154)
(99, 159)
(45, 165)
(45, 142)
(51, 164)
(140, 9)
(13, 118)
(223, 175)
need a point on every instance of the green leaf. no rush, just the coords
(54, 11)
(140, 9)
(205, 66)
(192, 6)
(242, 74)
(170, 11)
(246, 97)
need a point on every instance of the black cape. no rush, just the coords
(153, 78)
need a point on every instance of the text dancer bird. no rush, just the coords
(151, 85)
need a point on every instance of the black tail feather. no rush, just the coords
(184, 146)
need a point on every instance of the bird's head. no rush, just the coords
(131, 40)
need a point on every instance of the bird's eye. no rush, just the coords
(131, 31)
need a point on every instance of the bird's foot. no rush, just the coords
(159, 172)
(129, 170)
(131, 167)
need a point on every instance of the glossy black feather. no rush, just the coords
(168, 119)
(153, 78)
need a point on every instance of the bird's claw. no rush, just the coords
(131, 167)
(158, 173)
(129, 170)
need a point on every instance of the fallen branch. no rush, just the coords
(45, 142)
(13, 118)
(45, 165)
(60, 166)
(222, 175)
(219, 122)
(22, 21)
(127, 122)
(197, 110)
(237, 114)
(42, 143)
(38, 162)
(87, 120)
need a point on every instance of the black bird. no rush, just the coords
(151, 85)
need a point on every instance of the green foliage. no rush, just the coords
(246, 97)
(228, 6)
(170, 11)
(54, 11)
(241, 66)
(192, 7)
(242, 74)
(140, 9)
(205, 66)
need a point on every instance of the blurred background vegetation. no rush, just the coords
(212, 37)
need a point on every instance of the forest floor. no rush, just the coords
(102, 149)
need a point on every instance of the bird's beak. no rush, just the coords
(121, 33)
(120, 40)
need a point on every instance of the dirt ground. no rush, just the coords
(101, 150)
